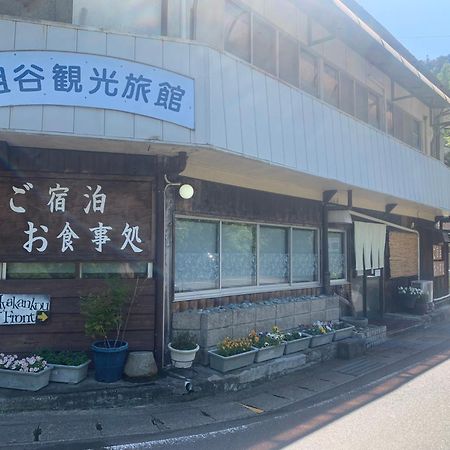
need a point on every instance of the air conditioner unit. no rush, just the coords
(426, 286)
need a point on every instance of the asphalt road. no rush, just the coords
(407, 409)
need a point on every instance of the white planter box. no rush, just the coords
(266, 353)
(321, 339)
(13, 379)
(227, 363)
(343, 333)
(297, 345)
(69, 374)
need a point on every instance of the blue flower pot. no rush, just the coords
(109, 361)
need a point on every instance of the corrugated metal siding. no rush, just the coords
(241, 110)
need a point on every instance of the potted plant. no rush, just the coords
(296, 341)
(232, 354)
(321, 333)
(68, 366)
(30, 373)
(408, 296)
(104, 312)
(342, 330)
(183, 349)
(270, 345)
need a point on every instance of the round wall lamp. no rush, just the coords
(186, 191)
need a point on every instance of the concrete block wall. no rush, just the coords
(211, 325)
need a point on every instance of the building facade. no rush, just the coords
(310, 136)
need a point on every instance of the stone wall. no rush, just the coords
(373, 334)
(211, 325)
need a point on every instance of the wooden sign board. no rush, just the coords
(74, 219)
(24, 309)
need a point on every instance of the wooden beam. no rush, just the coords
(328, 195)
(390, 206)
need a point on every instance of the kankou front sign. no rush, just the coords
(76, 79)
(23, 309)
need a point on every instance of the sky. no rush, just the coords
(422, 26)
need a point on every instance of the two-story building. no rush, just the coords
(310, 136)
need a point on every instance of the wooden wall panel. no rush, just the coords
(65, 328)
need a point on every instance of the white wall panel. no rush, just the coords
(288, 122)
(247, 110)
(26, 118)
(310, 133)
(233, 124)
(301, 154)
(275, 128)
(30, 36)
(261, 116)
(323, 125)
(58, 119)
(216, 101)
(176, 58)
(199, 71)
(7, 34)
(61, 39)
(5, 112)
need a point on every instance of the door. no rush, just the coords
(373, 293)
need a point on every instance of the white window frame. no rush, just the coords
(224, 292)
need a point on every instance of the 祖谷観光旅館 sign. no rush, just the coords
(76, 79)
(23, 309)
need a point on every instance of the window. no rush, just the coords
(304, 255)
(238, 255)
(288, 58)
(214, 255)
(309, 73)
(132, 16)
(403, 126)
(347, 94)
(237, 31)
(179, 18)
(273, 255)
(373, 110)
(361, 103)
(196, 255)
(389, 118)
(330, 85)
(336, 255)
(37, 270)
(114, 270)
(264, 46)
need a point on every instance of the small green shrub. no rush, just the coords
(184, 341)
(64, 358)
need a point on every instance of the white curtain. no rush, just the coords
(370, 240)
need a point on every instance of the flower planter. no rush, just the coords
(109, 361)
(321, 339)
(297, 345)
(69, 374)
(343, 333)
(272, 352)
(27, 381)
(183, 359)
(227, 363)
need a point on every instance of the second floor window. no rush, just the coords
(331, 85)
(237, 31)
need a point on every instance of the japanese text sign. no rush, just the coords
(74, 219)
(74, 79)
(23, 309)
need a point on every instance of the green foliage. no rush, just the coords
(184, 341)
(64, 358)
(104, 311)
